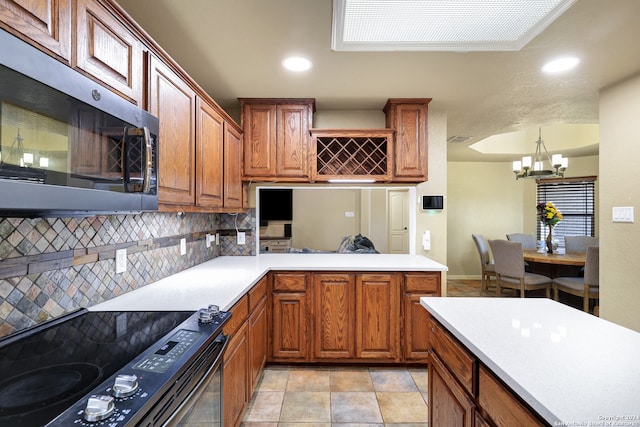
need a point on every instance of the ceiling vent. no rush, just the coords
(458, 139)
(441, 25)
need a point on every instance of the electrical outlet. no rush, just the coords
(121, 260)
(217, 239)
(241, 237)
(183, 246)
(207, 240)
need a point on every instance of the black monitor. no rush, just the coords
(276, 204)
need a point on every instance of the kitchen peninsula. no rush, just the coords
(568, 367)
(303, 308)
(224, 280)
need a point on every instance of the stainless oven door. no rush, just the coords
(203, 406)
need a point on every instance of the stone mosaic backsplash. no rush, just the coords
(51, 266)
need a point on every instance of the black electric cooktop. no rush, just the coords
(47, 368)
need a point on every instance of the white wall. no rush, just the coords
(485, 198)
(620, 186)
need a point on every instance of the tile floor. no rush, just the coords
(339, 397)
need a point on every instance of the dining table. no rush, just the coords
(555, 264)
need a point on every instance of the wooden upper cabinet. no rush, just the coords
(173, 102)
(44, 23)
(259, 127)
(233, 188)
(408, 116)
(209, 155)
(108, 51)
(276, 137)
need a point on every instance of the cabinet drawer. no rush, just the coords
(422, 282)
(257, 293)
(461, 364)
(239, 313)
(502, 407)
(289, 282)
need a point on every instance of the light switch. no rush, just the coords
(241, 237)
(623, 214)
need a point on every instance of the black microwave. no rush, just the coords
(69, 146)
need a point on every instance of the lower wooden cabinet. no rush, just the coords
(236, 393)
(463, 392)
(416, 323)
(289, 334)
(377, 317)
(449, 404)
(333, 306)
(258, 333)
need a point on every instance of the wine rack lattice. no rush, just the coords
(353, 155)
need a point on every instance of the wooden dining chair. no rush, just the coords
(587, 287)
(486, 263)
(510, 273)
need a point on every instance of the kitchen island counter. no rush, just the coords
(572, 368)
(224, 280)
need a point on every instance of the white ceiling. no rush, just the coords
(233, 48)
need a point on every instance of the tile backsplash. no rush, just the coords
(51, 266)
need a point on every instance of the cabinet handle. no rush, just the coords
(148, 161)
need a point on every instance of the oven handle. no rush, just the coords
(199, 388)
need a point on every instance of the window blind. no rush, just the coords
(575, 199)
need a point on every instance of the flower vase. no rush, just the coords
(549, 241)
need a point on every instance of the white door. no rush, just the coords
(398, 221)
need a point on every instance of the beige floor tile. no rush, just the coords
(421, 378)
(265, 406)
(306, 406)
(355, 407)
(308, 380)
(405, 407)
(273, 379)
(357, 379)
(388, 379)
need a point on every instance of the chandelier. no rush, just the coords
(535, 168)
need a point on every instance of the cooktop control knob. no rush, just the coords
(125, 386)
(208, 315)
(99, 408)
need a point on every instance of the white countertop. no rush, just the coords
(223, 280)
(573, 368)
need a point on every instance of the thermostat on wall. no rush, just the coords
(432, 202)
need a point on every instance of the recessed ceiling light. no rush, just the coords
(296, 63)
(561, 64)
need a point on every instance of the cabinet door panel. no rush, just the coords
(173, 102)
(289, 326)
(209, 170)
(233, 191)
(333, 308)
(47, 23)
(416, 329)
(449, 405)
(292, 140)
(501, 405)
(108, 51)
(257, 343)
(259, 125)
(377, 316)
(235, 377)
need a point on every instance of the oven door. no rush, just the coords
(203, 405)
